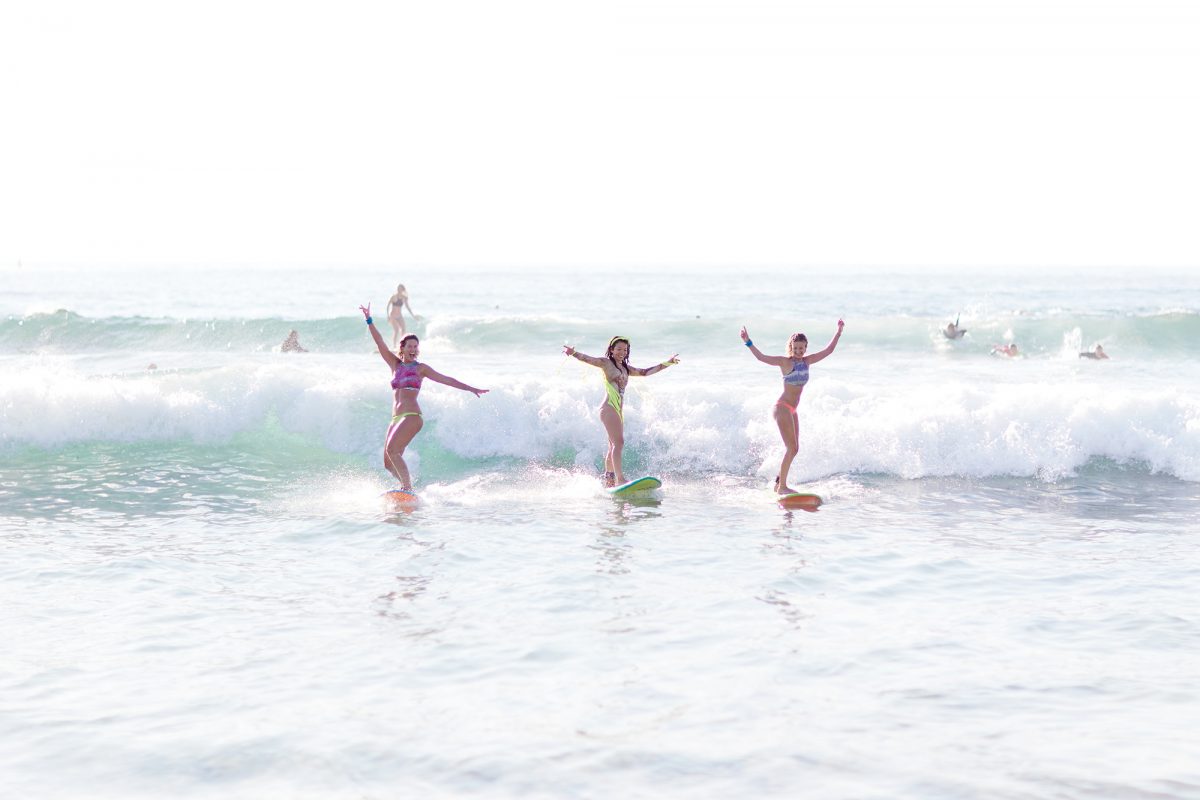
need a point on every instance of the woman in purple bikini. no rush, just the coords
(407, 374)
(794, 367)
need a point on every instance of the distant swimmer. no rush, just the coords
(1097, 354)
(1009, 350)
(616, 369)
(952, 331)
(794, 367)
(407, 374)
(395, 312)
(291, 344)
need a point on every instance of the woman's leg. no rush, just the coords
(397, 331)
(398, 438)
(789, 430)
(614, 426)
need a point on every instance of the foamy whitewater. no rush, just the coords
(201, 594)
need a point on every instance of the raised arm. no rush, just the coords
(656, 368)
(391, 358)
(595, 362)
(817, 356)
(775, 361)
(437, 377)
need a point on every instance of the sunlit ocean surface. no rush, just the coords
(202, 595)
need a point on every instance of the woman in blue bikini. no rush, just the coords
(407, 374)
(615, 366)
(794, 367)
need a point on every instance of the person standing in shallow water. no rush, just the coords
(395, 312)
(407, 374)
(616, 369)
(794, 367)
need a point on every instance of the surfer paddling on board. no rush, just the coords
(407, 374)
(616, 369)
(794, 367)
(291, 344)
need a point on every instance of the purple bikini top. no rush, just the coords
(407, 376)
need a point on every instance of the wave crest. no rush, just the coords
(907, 431)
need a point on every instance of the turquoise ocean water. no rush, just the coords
(201, 595)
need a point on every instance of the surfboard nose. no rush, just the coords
(640, 485)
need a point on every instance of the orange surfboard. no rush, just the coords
(799, 500)
(400, 499)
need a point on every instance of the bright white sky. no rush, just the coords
(519, 132)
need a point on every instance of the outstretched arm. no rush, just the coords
(571, 351)
(388, 355)
(437, 377)
(775, 361)
(415, 315)
(817, 356)
(656, 368)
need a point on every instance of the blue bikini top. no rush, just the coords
(798, 376)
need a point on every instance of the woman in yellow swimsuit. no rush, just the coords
(407, 374)
(616, 369)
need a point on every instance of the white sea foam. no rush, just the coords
(908, 429)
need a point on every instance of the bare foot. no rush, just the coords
(785, 490)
